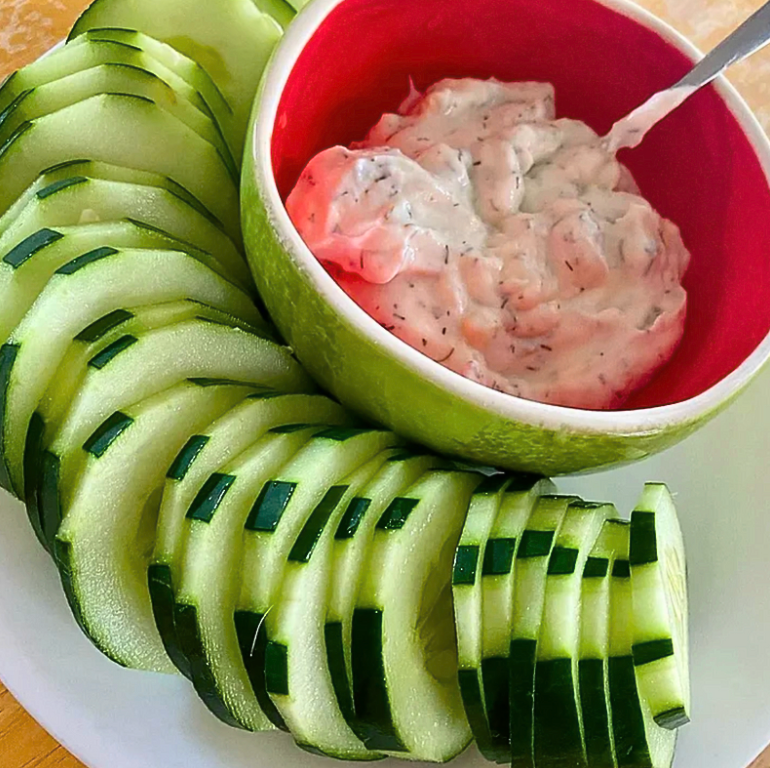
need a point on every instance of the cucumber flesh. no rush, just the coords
(352, 540)
(121, 130)
(96, 345)
(112, 78)
(169, 57)
(558, 727)
(105, 541)
(64, 172)
(231, 40)
(405, 684)
(200, 458)
(639, 741)
(209, 571)
(498, 589)
(196, 349)
(81, 200)
(80, 293)
(594, 643)
(530, 573)
(298, 623)
(280, 10)
(72, 59)
(469, 564)
(659, 582)
(26, 269)
(278, 516)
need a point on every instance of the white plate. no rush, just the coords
(114, 718)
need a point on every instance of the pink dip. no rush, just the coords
(505, 244)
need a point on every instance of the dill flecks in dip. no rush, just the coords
(507, 245)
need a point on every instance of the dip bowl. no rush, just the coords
(343, 63)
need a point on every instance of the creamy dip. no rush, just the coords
(507, 245)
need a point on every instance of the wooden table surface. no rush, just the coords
(30, 27)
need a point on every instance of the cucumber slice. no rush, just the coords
(177, 62)
(659, 581)
(282, 507)
(231, 39)
(82, 200)
(137, 367)
(112, 78)
(177, 567)
(406, 694)
(594, 643)
(352, 540)
(25, 270)
(498, 586)
(63, 172)
(530, 573)
(280, 10)
(298, 623)
(639, 741)
(81, 292)
(105, 541)
(95, 345)
(122, 130)
(474, 556)
(71, 59)
(558, 727)
(205, 602)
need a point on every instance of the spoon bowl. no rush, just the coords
(343, 63)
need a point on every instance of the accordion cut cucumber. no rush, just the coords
(137, 367)
(298, 623)
(279, 514)
(93, 348)
(61, 173)
(25, 270)
(469, 564)
(197, 578)
(231, 40)
(81, 292)
(72, 59)
(81, 200)
(105, 541)
(208, 631)
(406, 694)
(191, 72)
(113, 78)
(594, 642)
(530, 572)
(121, 130)
(558, 727)
(498, 589)
(639, 741)
(352, 540)
(659, 582)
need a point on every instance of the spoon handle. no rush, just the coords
(749, 37)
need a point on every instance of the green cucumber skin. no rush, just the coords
(8, 354)
(62, 558)
(252, 636)
(521, 698)
(495, 679)
(557, 738)
(596, 721)
(185, 621)
(162, 596)
(33, 450)
(627, 718)
(335, 659)
(373, 722)
(470, 688)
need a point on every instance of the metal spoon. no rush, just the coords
(749, 37)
